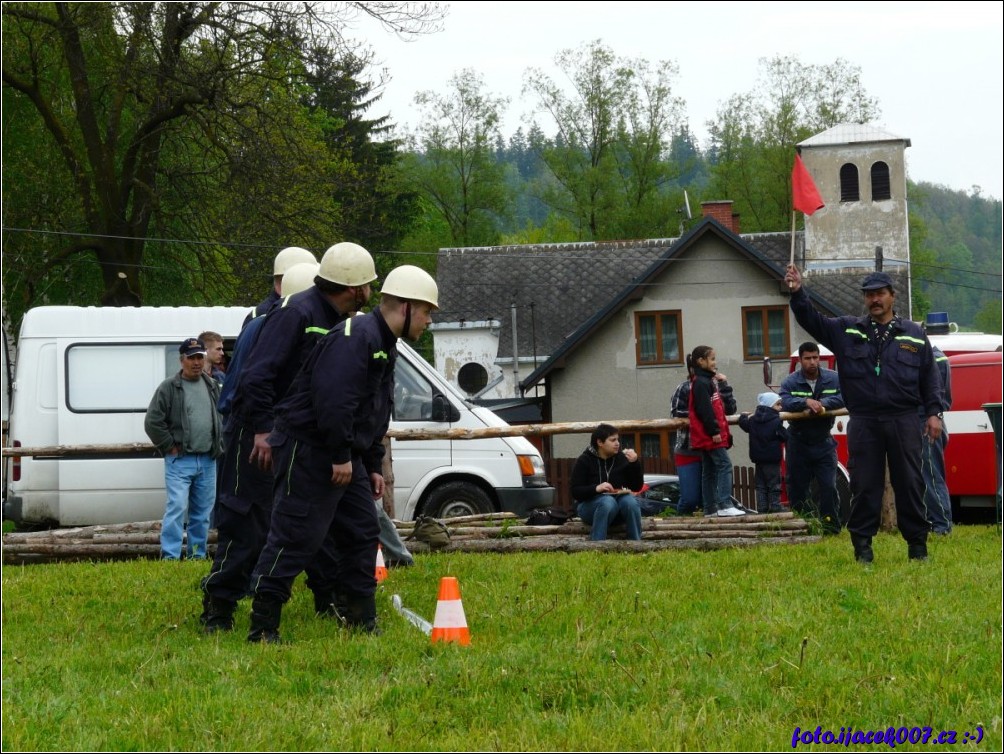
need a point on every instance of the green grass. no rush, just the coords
(726, 650)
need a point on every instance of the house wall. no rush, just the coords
(710, 285)
(845, 234)
(478, 343)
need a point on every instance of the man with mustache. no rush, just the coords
(887, 374)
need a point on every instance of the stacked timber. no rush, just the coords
(492, 532)
(504, 532)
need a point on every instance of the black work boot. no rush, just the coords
(330, 605)
(917, 551)
(862, 548)
(360, 613)
(205, 608)
(218, 615)
(265, 615)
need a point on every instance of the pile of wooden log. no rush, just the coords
(492, 532)
(504, 532)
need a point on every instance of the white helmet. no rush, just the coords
(288, 257)
(299, 277)
(348, 264)
(413, 283)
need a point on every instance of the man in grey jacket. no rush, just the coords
(182, 421)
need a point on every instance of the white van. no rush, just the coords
(85, 375)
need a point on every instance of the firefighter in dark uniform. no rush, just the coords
(811, 451)
(244, 504)
(283, 261)
(328, 451)
(887, 372)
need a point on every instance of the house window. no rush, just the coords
(657, 337)
(647, 444)
(849, 191)
(765, 332)
(880, 182)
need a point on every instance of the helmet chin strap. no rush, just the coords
(360, 299)
(407, 322)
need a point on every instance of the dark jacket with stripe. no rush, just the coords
(343, 397)
(796, 390)
(893, 377)
(288, 334)
(262, 307)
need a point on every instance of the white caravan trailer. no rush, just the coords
(85, 375)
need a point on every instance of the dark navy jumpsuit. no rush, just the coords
(287, 335)
(885, 377)
(262, 307)
(811, 451)
(337, 410)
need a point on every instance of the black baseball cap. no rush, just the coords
(191, 347)
(875, 281)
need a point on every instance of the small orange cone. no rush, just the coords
(381, 566)
(450, 623)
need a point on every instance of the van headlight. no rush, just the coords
(532, 469)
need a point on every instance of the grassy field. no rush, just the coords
(728, 650)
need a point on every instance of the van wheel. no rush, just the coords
(457, 499)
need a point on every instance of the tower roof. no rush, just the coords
(851, 133)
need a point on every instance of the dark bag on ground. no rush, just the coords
(552, 516)
(432, 531)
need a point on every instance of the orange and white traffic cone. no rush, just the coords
(381, 566)
(450, 623)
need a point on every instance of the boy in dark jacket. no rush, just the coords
(767, 435)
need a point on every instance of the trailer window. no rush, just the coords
(115, 377)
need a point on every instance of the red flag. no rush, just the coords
(805, 195)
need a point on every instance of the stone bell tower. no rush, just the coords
(860, 172)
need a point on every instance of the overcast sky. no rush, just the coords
(935, 67)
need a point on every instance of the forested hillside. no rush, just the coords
(957, 263)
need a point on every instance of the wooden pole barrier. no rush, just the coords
(519, 430)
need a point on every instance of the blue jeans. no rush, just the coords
(716, 480)
(604, 510)
(689, 475)
(937, 503)
(190, 480)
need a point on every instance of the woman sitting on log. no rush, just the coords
(602, 480)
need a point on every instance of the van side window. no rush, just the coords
(412, 394)
(114, 377)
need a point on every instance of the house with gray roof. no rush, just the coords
(600, 331)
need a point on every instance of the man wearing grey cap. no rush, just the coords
(887, 373)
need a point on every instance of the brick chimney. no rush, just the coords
(722, 212)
